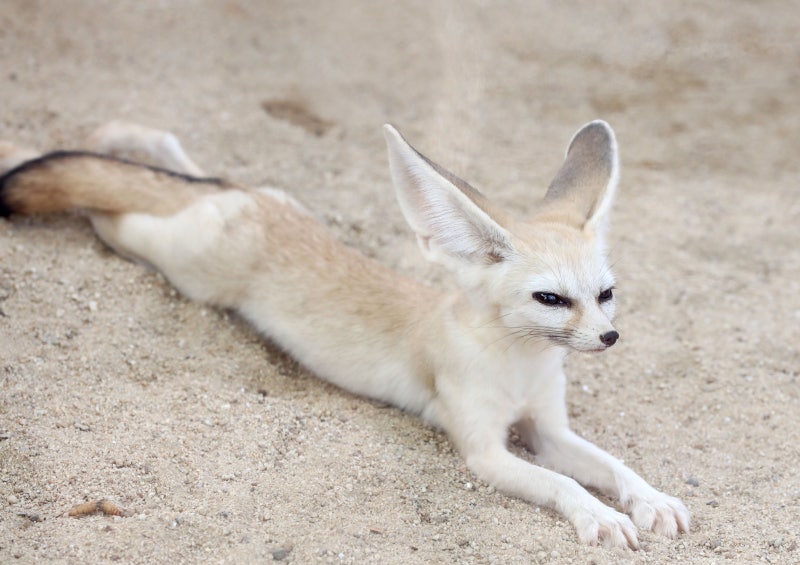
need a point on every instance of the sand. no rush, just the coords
(221, 449)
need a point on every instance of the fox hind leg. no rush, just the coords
(190, 242)
(196, 249)
(119, 139)
(188, 228)
(138, 236)
(185, 239)
(140, 143)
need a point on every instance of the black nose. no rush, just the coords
(609, 338)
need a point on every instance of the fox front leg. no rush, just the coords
(557, 447)
(481, 437)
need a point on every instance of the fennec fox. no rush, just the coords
(474, 362)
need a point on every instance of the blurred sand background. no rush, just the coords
(223, 450)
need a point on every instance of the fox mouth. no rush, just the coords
(586, 348)
(568, 340)
(592, 350)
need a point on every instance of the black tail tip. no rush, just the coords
(5, 207)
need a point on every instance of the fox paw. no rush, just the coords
(601, 524)
(661, 513)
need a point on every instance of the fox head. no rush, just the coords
(546, 279)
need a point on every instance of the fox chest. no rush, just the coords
(526, 382)
(504, 388)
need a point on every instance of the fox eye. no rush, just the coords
(551, 299)
(606, 295)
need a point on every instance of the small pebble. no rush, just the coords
(776, 542)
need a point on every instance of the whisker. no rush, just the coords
(531, 334)
(491, 321)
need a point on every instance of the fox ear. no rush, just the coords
(449, 217)
(586, 183)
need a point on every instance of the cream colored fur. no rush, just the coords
(475, 362)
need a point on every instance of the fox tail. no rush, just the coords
(68, 180)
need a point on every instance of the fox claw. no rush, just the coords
(660, 513)
(605, 526)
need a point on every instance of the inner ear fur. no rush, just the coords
(449, 217)
(584, 187)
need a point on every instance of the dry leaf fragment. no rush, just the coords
(83, 509)
(87, 508)
(109, 508)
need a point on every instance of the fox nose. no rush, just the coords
(609, 338)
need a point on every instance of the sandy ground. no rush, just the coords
(221, 449)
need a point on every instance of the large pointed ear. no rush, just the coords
(584, 187)
(450, 218)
